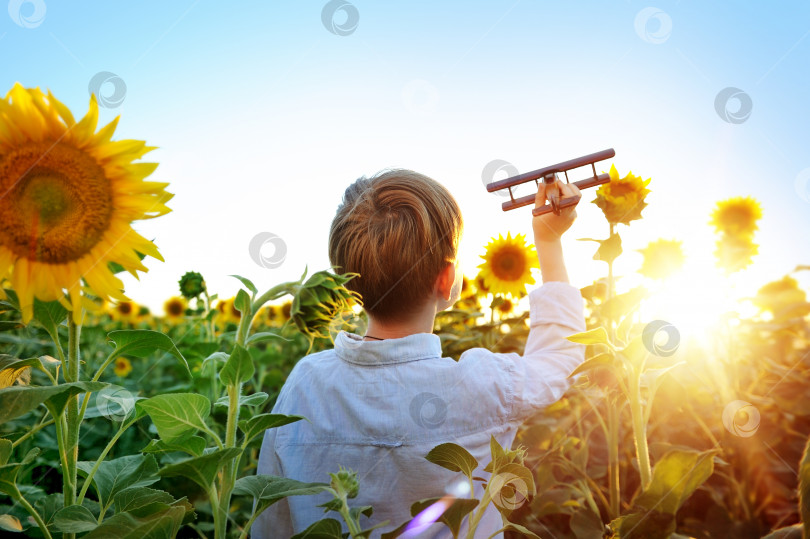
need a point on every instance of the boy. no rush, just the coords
(378, 403)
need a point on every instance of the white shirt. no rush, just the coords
(378, 407)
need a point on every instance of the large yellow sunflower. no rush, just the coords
(622, 199)
(68, 195)
(737, 216)
(662, 258)
(507, 265)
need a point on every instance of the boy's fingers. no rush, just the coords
(561, 189)
(569, 189)
(540, 197)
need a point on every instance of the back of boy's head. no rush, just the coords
(398, 230)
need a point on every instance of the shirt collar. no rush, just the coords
(353, 349)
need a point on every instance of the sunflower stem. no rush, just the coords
(247, 527)
(124, 426)
(61, 426)
(476, 516)
(42, 424)
(58, 345)
(640, 428)
(104, 365)
(228, 477)
(73, 423)
(33, 512)
(613, 459)
(274, 293)
(614, 486)
(209, 326)
(610, 291)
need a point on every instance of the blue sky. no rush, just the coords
(263, 116)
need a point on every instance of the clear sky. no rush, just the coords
(263, 115)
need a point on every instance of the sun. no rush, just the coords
(698, 301)
(68, 196)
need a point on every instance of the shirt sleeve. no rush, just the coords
(540, 375)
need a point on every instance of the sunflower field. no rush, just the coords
(119, 422)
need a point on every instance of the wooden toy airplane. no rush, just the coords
(549, 175)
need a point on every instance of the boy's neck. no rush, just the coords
(422, 322)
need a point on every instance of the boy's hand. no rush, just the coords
(549, 227)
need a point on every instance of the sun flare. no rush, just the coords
(698, 301)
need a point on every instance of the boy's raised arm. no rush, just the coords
(548, 231)
(556, 311)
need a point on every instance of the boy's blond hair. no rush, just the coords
(398, 230)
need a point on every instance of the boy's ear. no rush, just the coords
(445, 280)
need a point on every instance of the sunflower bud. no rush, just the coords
(191, 285)
(345, 482)
(319, 300)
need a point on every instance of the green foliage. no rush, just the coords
(203, 469)
(18, 400)
(267, 490)
(239, 367)
(177, 414)
(454, 458)
(256, 425)
(115, 475)
(577, 471)
(141, 343)
(675, 477)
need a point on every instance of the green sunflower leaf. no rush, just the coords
(177, 414)
(115, 475)
(239, 368)
(453, 457)
(143, 342)
(202, 470)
